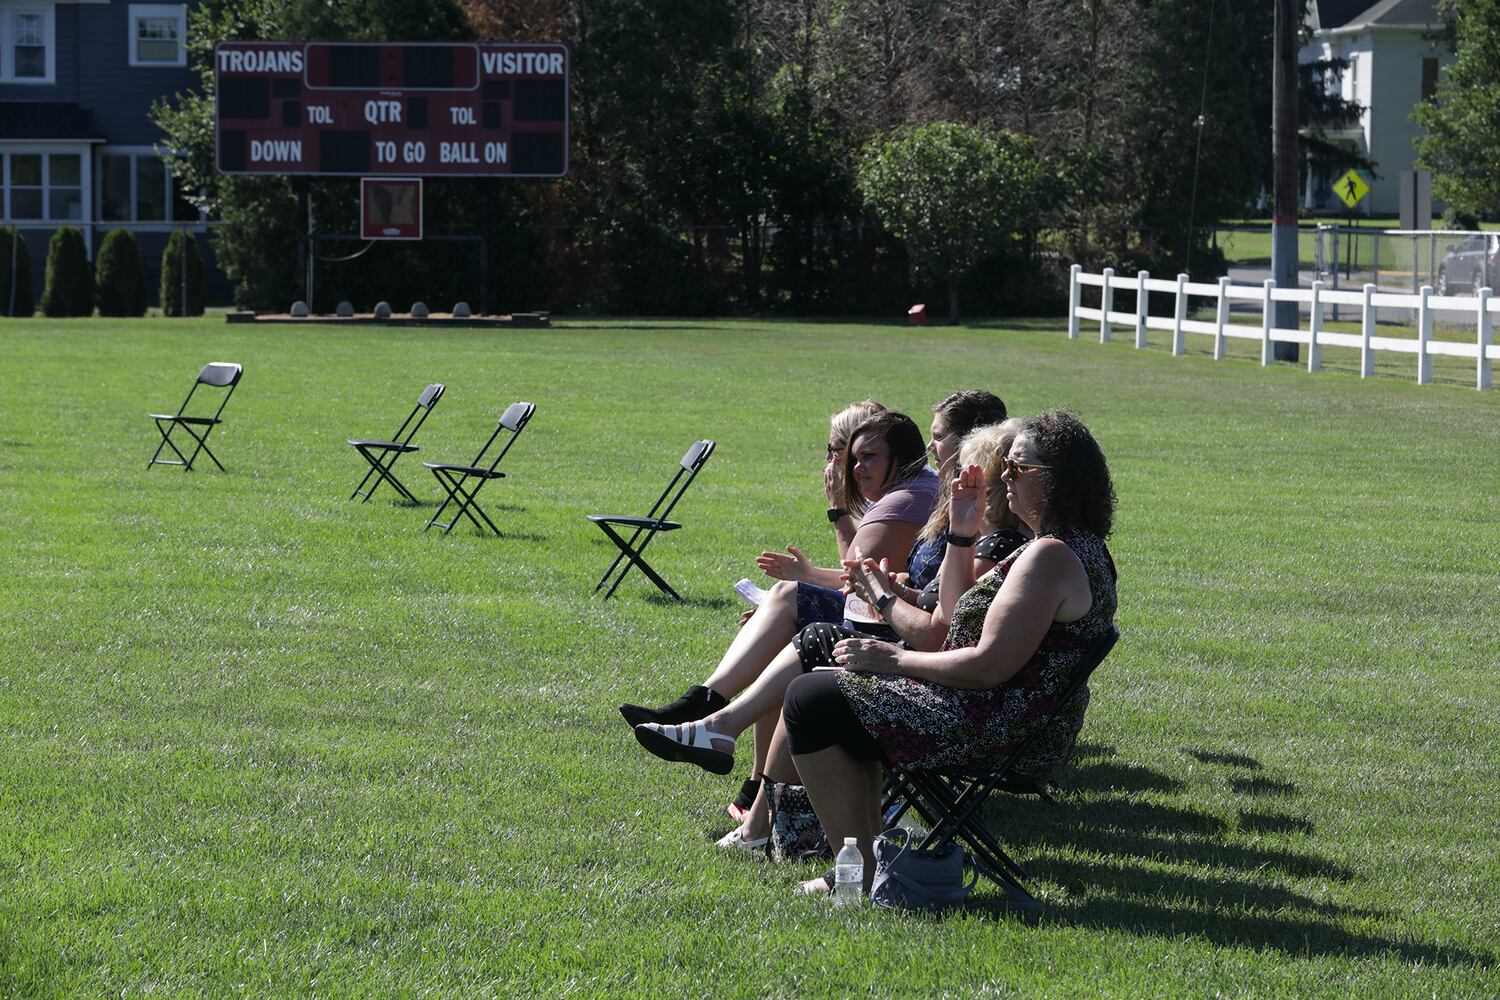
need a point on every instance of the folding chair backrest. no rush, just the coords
(425, 402)
(219, 374)
(514, 419)
(687, 470)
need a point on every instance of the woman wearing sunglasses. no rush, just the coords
(1012, 643)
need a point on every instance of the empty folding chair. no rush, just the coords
(645, 528)
(216, 374)
(383, 454)
(456, 479)
(952, 802)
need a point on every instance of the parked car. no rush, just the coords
(1470, 265)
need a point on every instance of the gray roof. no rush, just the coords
(46, 120)
(1325, 14)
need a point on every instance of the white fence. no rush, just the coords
(1482, 349)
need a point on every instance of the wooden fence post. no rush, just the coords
(1179, 315)
(1265, 321)
(1424, 337)
(1366, 331)
(1106, 304)
(1482, 379)
(1074, 298)
(1314, 351)
(1141, 296)
(1221, 318)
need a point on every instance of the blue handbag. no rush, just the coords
(909, 878)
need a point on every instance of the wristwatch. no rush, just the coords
(963, 541)
(834, 513)
(884, 601)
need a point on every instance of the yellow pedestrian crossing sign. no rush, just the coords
(1351, 188)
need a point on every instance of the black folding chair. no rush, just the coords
(455, 479)
(951, 802)
(218, 374)
(382, 455)
(631, 553)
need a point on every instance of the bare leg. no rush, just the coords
(760, 699)
(839, 786)
(778, 766)
(758, 641)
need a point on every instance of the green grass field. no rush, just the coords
(258, 739)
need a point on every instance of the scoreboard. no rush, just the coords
(372, 109)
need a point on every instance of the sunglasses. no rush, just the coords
(1010, 465)
(834, 449)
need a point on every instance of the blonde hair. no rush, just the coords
(985, 447)
(841, 425)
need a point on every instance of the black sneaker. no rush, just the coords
(740, 807)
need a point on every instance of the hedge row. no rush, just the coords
(115, 281)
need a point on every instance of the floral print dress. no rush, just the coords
(922, 724)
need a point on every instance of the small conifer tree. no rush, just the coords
(120, 277)
(69, 287)
(181, 276)
(15, 275)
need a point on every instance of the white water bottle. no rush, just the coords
(848, 873)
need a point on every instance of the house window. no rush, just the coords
(137, 187)
(1429, 78)
(157, 34)
(44, 186)
(26, 44)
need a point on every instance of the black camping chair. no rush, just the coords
(383, 454)
(218, 374)
(455, 478)
(631, 553)
(952, 802)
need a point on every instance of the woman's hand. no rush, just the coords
(966, 510)
(780, 566)
(868, 581)
(867, 654)
(833, 483)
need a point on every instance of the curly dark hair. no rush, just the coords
(1077, 490)
(970, 408)
(908, 453)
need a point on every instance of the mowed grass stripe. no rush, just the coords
(257, 737)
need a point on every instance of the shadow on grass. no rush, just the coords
(713, 603)
(1219, 757)
(1126, 863)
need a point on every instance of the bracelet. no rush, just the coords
(834, 513)
(884, 601)
(963, 541)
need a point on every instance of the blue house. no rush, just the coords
(77, 146)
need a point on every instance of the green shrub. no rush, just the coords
(69, 287)
(15, 258)
(121, 279)
(181, 276)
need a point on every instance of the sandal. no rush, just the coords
(692, 742)
(736, 839)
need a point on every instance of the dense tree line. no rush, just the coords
(718, 148)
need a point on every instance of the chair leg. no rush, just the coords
(381, 469)
(166, 442)
(635, 559)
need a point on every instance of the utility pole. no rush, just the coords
(1284, 168)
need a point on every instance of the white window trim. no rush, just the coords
(138, 225)
(172, 10)
(7, 42)
(46, 150)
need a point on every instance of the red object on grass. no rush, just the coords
(917, 315)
